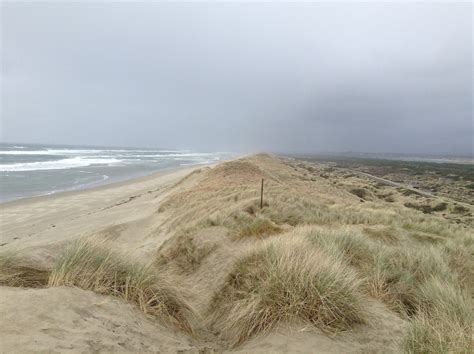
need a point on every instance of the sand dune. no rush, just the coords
(316, 270)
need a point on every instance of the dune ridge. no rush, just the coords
(318, 268)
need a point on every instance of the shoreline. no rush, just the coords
(49, 221)
(102, 186)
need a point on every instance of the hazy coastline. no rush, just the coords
(38, 170)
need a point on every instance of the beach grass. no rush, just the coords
(283, 279)
(93, 266)
(17, 271)
(444, 320)
(186, 254)
(388, 252)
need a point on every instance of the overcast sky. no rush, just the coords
(297, 77)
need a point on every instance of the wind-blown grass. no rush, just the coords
(392, 252)
(392, 272)
(94, 267)
(444, 320)
(259, 227)
(423, 284)
(185, 253)
(284, 278)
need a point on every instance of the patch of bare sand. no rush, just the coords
(75, 320)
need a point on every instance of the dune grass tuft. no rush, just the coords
(444, 320)
(18, 272)
(385, 234)
(94, 267)
(284, 278)
(434, 334)
(392, 273)
(259, 227)
(353, 247)
(426, 284)
(185, 253)
(459, 254)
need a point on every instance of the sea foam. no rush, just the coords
(57, 165)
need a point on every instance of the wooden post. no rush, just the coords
(261, 196)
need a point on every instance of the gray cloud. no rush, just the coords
(302, 77)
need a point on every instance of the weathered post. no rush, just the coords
(261, 196)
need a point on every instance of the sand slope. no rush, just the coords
(74, 320)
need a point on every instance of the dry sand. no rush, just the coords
(69, 319)
(123, 211)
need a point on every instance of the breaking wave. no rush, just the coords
(58, 164)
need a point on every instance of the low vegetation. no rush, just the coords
(21, 272)
(426, 208)
(184, 253)
(284, 279)
(94, 267)
(420, 283)
(91, 266)
(345, 249)
(360, 192)
(312, 254)
(259, 227)
(459, 209)
(443, 322)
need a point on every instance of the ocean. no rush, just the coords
(28, 170)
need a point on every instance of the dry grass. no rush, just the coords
(392, 273)
(361, 193)
(444, 321)
(300, 210)
(282, 279)
(459, 254)
(385, 234)
(433, 226)
(231, 189)
(95, 267)
(422, 283)
(403, 270)
(20, 272)
(185, 253)
(352, 246)
(392, 252)
(430, 333)
(259, 228)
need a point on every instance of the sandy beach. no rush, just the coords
(49, 221)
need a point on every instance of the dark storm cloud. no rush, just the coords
(240, 76)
